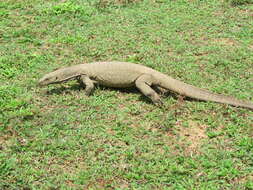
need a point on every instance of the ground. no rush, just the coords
(57, 138)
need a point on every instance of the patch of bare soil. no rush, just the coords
(100, 183)
(3, 142)
(191, 138)
(105, 3)
(225, 41)
(243, 179)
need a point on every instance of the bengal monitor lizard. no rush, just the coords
(124, 74)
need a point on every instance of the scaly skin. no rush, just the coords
(124, 74)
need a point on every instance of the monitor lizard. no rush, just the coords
(125, 74)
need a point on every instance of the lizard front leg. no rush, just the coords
(88, 83)
(143, 83)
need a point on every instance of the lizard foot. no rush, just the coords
(158, 102)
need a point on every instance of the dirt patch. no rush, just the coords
(218, 13)
(225, 41)
(246, 12)
(191, 137)
(106, 3)
(100, 183)
(243, 179)
(3, 142)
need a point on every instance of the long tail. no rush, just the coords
(200, 94)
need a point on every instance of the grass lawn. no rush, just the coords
(56, 138)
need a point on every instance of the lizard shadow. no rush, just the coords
(129, 91)
(77, 87)
(162, 93)
(64, 89)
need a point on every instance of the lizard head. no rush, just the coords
(57, 76)
(48, 79)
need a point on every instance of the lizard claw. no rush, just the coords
(158, 103)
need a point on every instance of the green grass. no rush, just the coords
(56, 138)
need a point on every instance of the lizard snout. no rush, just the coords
(41, 82)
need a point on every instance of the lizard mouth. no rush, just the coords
(45, 81)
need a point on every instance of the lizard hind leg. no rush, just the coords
(87, 83)
(143, 83)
